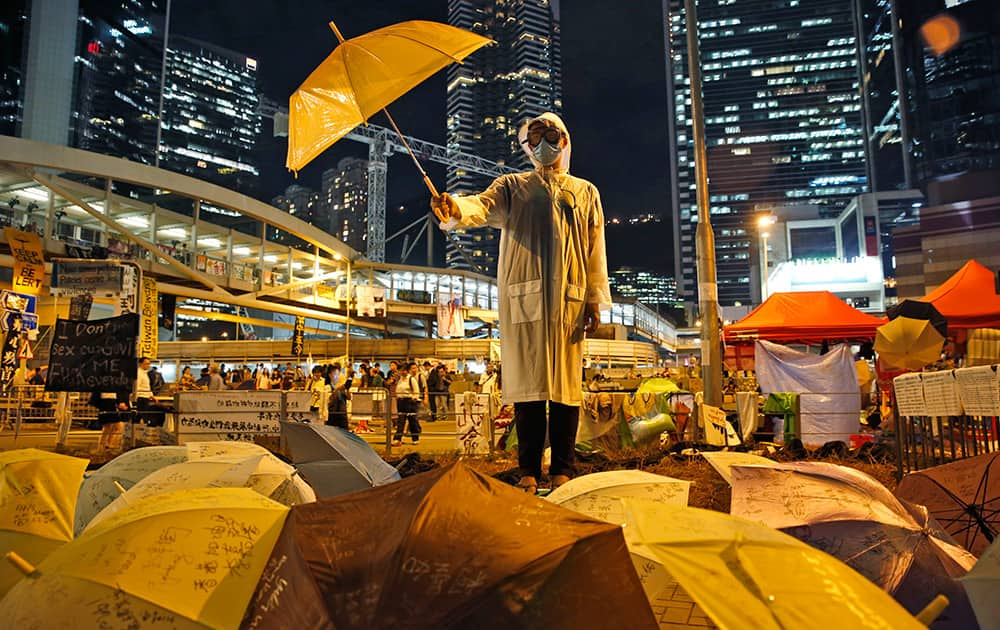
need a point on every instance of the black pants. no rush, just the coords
(529, 419)
(407, 416)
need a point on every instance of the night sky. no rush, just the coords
(614, 100)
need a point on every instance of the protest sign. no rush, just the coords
(93, 356)
(29, 262)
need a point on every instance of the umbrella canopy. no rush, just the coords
(746, 575)
(915, 309)
(182, 560)
(365, 74)
(982, 584)
(101, 487)
(723, 462)
(335, 461)
(853, 517)
(964, 496)
(37, 499)
(265, 474)
(908, 343)
(450, 548)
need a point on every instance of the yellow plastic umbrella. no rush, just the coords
(362, 76)
(908, 343)
(37, 499)
(187, 559)
(746, 575)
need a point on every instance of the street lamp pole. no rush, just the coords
(708, 292)
(765, 274)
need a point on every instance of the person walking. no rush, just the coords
(408, 397)
(438, 385)
(553, 281)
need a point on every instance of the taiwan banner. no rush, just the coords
(149, 330)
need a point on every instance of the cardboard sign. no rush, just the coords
(29, 261)
(93, 356)
(149, 333)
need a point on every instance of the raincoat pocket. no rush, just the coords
(573, 310)
(525, 301)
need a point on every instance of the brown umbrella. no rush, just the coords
(450, 548)
(963, 496)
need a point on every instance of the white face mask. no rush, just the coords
(545, 153)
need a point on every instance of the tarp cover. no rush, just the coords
(968, 299)
(805, 316)
(829, 401)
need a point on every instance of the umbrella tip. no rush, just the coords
(933, 610)
(20, 563)
(336, 31)
(120, 487)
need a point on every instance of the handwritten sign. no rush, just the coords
(29, 261)
(8, 358)
(471, 428)
(93, 356)
(150, 331)
(940, 394)
(979, 389)
(909, 395)
(98, 277)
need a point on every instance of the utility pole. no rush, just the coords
(708, 291)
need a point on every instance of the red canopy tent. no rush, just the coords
(805, 317)
(968, 299)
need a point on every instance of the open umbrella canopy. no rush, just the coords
(335, 461)
(264, 473)
(915, 309)
(964, 496)
(450, 548)
(37, 499)
(982, 584)
(365, 74)
(104, 485)
(853, 517)
(746, 575)
(723, 462)
(908, 343)
(597, 494)
(183, 560)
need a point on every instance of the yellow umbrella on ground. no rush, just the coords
(746, 575)
(908, 343)
(362, 76)
(37, 499)
(183, 560)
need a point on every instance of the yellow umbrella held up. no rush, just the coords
(908, 343)
(37, 499)
(362, 76)
(183, 560)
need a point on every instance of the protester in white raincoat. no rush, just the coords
(553, 280)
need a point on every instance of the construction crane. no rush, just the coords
(383, 142)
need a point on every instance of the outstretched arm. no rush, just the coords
(487, 208)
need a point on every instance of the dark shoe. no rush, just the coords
(528, 484)
(397, 442)
(559, 480)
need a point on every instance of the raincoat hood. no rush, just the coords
(562, 165)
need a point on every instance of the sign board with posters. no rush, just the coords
(93, 356)
(98, 277)
(29, 261)
(234, 415)
(149, 329)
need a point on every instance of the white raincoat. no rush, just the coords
(552, 262)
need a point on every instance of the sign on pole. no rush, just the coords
(149, 331)
(98, 277)
(8, 359)
(298, 336)
(29, 261)
(93, 356)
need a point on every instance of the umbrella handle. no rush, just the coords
(427, 180)
(20, 563)
(932, 610)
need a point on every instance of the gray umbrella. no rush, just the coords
(335, 461)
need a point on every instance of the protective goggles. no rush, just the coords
(549, 134)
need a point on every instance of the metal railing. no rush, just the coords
(926, 441)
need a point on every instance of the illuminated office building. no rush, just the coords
(13, 19)
(645, 286)
(492, 93)
(211, 121)
(783, 124)
(344, 211)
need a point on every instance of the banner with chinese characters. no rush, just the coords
(8, 359)
(450, 320)
(149, 329)
(299, 336)
(29, 262)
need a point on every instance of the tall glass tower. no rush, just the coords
(492, 93)
(783, 123)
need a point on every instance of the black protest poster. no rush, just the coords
(93, 356)
(8, 358)
(299, 336)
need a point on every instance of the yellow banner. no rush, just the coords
(149, 328)
(29, 262)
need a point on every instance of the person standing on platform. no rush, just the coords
(408, 397)
(553, 281)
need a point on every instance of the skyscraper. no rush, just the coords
(211, 121)
(782, 123)
(13, 18)
(345, 203)
(492, 93)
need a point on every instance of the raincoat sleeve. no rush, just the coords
(489, 208)
(598, 291)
